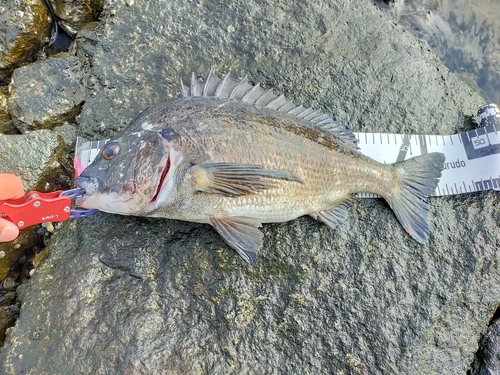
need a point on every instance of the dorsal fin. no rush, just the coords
(242, 90)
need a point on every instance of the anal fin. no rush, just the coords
(241, 233)
(336, 215)
(234, 179)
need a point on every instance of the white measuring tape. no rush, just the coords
(472, 158)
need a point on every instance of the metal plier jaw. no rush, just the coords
(36, 208)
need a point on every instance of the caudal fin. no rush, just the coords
(419, 177)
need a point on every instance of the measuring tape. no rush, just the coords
(472, 158)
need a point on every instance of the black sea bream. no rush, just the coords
(235, 156)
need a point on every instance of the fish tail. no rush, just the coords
(418, 178)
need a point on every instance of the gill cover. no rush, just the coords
(124, 177)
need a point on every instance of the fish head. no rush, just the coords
(127, 174)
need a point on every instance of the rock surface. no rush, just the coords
(487, 360)
(6, 124)
(47, 93)
(75, 14)
(35, 158)
(135, 295)
(464, 34)
(25, 26)
(9, 311)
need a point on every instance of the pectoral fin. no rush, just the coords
(233, 179)
(336, 215)
(241, 233)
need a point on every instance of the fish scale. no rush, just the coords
(321, 184)
(236, 155)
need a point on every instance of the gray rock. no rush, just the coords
(9, 253)
(343, 58)
(69, 133)
(9, 310)
(25, 26)
(462, 33)
(487, 361)
(6, 124)
(35, 158)
(47, 93)
(134, 295)
(75, 14)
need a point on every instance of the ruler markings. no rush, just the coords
(494, 138)
(475, 169)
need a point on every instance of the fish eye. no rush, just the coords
(110, 151)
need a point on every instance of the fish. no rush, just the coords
(236, 155)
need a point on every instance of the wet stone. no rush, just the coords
(9, 311)
(6, 124)
(47, 93)
(74, 14)
(11, 251)
(463, 33)
(69, 133)
(25, 26)
(34, 157)
(132, 295)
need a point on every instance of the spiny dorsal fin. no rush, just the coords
(242, 90)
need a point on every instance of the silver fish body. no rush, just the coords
(236, 156)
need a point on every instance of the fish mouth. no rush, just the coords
(162, 180)
(89, 184)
